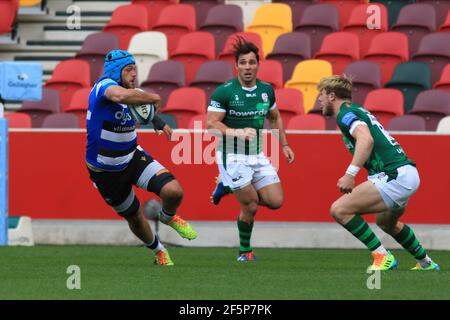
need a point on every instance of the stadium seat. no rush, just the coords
(345, 8)
(69, 76)
(415, 21)
(444, 125)
(8, 14)
(366, 76)
(60, 121)
(154, 8)
(306, 122)
(184, 103)
(271, 71)
(175, 21)
(330, 121)
(79, 105)
(444, 81)
(167, 118)
(445, 27)
(442, 8)
(384, 104)
(221, 22)
(297, 7)
(434, 49)
(248, 8)
(408, 122)
(198, 122)
(291, 48)
(357, 24)
(192, 50)
(202, 8)
(18, 120)
(164, 77)
(289, 103)
(305, 78)
(227, 52)
(339, 49)
(270, 21)
(30, 3)
(432, 105)
(317, 21)
(210, 75)
(388, 49)
(393, 8)
(126, 21)
(148, 48)
(94, 49)
(410, 78)
(38, 110)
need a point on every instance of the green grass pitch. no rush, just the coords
(109, 272)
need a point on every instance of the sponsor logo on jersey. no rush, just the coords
(122, 115)
(250, 95)
(265, 97)
(236, 97)
(247, 113)
(215, 104)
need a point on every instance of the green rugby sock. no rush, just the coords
(409, 241)
(361, 230)
(245, 233)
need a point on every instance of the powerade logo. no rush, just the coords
(123, 116)
(247, 113)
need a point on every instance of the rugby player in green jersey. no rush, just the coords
(393, 177)
(236, 113)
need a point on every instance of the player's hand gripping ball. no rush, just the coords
(142, 113)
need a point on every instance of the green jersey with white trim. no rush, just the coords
(387, 155)
(244, 108)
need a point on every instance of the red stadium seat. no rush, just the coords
(18, 120)
(357, 24)
(61, 121)
(175, 21)
(68, 77)
(445, 27)
(227, 52)
(384, 104)
(444, 81)
(291, 48)
(289, 103)
(345, 8)
(125, 22)
(184, 103)
(388, 49)
(8, 14)
(271, 71)
(221, 22)
(306, 122)
(38, 110)
(317, 21)
(339, 48)
(432, 105)
(330, 121)
(198, 122)
(154, 8)
(79, 105)
(95, 47)
(192, 50)
(164, 77)
(442, 8)
(415, 21)
(434, 50)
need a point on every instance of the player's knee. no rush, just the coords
(386, 226)
(275, 203)
(250, 207)
(172, 192)
(337, 212)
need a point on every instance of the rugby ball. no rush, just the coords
(142, 113)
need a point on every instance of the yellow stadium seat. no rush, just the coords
(270, 21)
(305, 78)
(29, 3)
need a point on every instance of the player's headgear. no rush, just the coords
(115, 61)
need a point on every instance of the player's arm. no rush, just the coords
(276, 122)
(120, 94)
(363, 146)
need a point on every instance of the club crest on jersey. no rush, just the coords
(265, 97)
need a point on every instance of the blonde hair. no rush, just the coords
(341, 85)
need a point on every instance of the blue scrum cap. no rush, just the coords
(115, 61)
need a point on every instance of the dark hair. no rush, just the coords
(242, 46)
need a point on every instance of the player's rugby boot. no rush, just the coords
(383, 262)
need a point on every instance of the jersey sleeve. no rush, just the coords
(101, 87)
(218, 101)
(349, 121)
(272, 99)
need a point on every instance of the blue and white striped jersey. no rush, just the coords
(111, 134)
